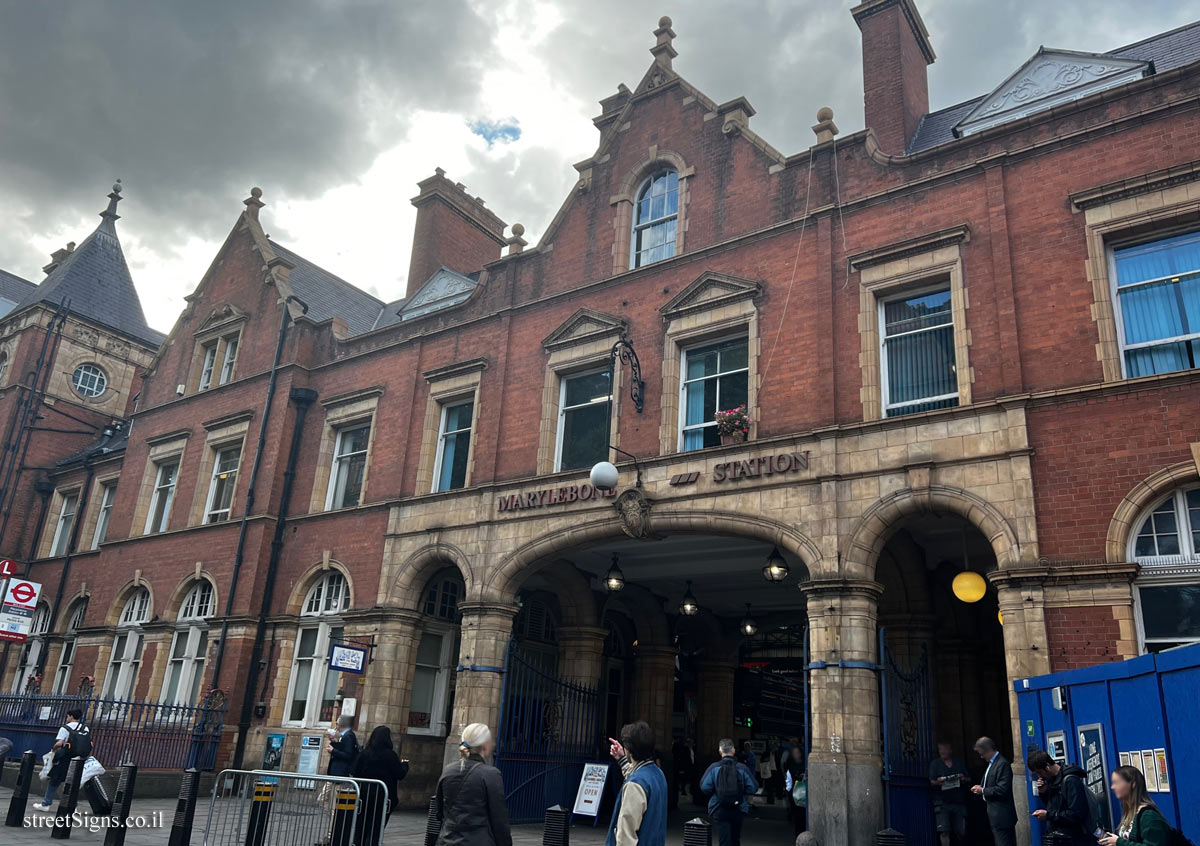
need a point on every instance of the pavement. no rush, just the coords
(766, 827)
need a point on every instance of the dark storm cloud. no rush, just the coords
(192, 102)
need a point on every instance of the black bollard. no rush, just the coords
(16, 805)
(260, 813)
(697, 832)
(61, 829)
(341, 833)
(557, 831)
(185, 809)
(121, 807)
(433, 825)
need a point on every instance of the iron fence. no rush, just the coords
(272, 808)
(153, 735)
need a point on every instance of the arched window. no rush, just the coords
(655, 221)
(3, 366)
(33, 648)
(126, 658)
(432, 699)
(66, 658)
(1167, 545)
(313, 693)
(189, 646)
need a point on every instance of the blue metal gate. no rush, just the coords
(548, 729)
(908, 745)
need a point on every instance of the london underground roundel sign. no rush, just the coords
(16, 610)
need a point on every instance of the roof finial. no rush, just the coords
(254, 202)
(515, 242)
(662, 50)
(110, 214)
(825, 128)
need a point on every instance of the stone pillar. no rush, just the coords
(581, 654)
(387, 692)
(715, 680)
(654, 699)
(486, 632)
(845, 790)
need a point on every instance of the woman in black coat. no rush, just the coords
(470, 796)
(378, 760)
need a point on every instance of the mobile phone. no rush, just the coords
(1099, 832)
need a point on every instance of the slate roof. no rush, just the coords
(96, 280)
(13, 289)
(1167, 50)
(113, 439)
(329, 296)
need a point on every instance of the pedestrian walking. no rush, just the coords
(728, 782)
(343, 748)
(997, 791)
(795, 785)
(470, 795)
(948, 778)
(72, 741)
(766, 772)
(640, 815)
(1141, 820)
(378, 761)
(1063, 792)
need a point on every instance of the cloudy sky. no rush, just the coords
(336, 108)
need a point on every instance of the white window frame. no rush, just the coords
(563, 409)
(229, 360)
(209, 365)
(32, 648)
(684, 426)
(884, 338)
(66, 524)
(98, 380)
(66, 655)
(199, 603)
(317, 613)
(220, 478)
(1182, 570)
(124, 663)
(637, 226)
(108, 493)
(448, 659)
(158, 491)
(443, 434)
(1115, 293)
(188, 667)
(339, 457)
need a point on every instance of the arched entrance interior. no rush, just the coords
(943, 663)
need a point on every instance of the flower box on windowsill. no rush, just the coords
(733, 438)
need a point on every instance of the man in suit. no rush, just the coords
(997, 791)
(343, 748)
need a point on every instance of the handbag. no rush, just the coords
(800, 792)
(91, 769)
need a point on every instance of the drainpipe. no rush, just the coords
(240, 554)
(303, 398)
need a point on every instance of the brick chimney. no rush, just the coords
(896, 55)
(453, 229)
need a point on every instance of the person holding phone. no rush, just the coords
(997, 791)
(640, 816)
(1063, 792)
(1141, 820)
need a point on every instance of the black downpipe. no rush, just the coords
(303, 398)
(240, 554)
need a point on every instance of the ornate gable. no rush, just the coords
(583, 326)
(221, 316)
(710, 290)
(444, 289)
(1050, 78)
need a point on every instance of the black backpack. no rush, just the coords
(1095, 817)
(78, 743)
(730, 791)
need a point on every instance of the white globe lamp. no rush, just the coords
(604, 476)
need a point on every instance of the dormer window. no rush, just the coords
(654, 219)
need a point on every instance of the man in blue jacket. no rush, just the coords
(640, 815)
(728, 783)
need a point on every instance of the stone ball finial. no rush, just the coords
(256, 192)
(117, 187)
(824, 113)
(664, 22)
(518, 230)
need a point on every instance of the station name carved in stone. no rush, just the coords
(764, 465)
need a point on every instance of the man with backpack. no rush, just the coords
(73, 741)
(1069, 813)
(728, 782)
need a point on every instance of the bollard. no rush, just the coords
(122, 805)
(97, 797)
(260, 813)
(16, 805)
(557, 831)
(697, 832)
(61, 829)
(185, 809)
(433, 824)
(890, 837)
(341, 833)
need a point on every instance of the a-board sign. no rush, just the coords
(310, 759)
(591, 789)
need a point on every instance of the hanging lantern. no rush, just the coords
(615, 580)
(776, 569)
(748, 626)
(969, 586)
(1000, 617)
(689, 607)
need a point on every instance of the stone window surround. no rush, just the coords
(88, 529)
(219, 434)
(1159, 203)
(589, 355)
(222, 333)
(164, 448)
(448, 385)
(51, 527)
(623, 203)
(900, 268)
(356, 408)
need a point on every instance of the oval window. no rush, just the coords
(89, 380)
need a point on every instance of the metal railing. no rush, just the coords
(271, 808)
(153, 735)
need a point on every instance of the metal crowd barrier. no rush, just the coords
(270, 808)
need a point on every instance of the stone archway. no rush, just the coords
(419, 567)
(1144, 494)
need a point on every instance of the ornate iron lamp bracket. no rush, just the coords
(623, 350)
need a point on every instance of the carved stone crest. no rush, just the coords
(633, 506)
